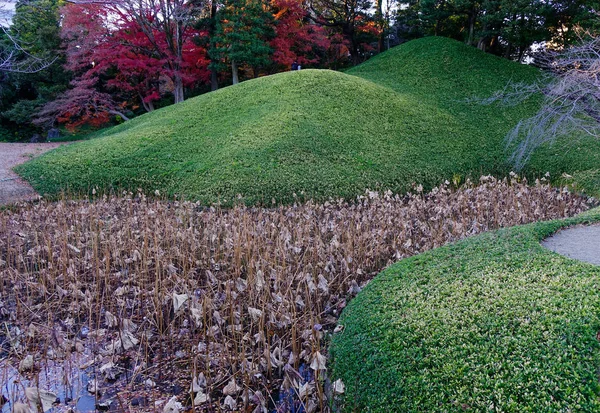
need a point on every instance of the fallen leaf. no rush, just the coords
(232, 388)
(26, 364)
(230, 403)
(338, 387)
(255, 313)
(200, 398)
(173, 406)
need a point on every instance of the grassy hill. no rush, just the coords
(492, 323)
(445, 73)
(397, 119)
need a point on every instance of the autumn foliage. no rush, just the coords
(127, 57)
(113, 56)
(296, 39)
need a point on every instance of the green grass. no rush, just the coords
(492, 323)
(445, 72)
(397, 119)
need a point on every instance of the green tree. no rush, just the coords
(242, 34)
(504, 27)
(36, 27)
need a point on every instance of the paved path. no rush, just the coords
(580, 243)
(13, 188)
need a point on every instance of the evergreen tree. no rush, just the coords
(36, 26)
(243, 31)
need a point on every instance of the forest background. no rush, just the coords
(73, 67)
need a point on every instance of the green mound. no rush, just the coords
(319, 132)
(401, 120)
(447, 73)
(492, 323)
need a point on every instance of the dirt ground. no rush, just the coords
(13, 188)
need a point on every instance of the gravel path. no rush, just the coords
(13, 188)
(580, 243)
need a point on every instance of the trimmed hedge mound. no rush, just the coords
(317, 132)
(491, 323)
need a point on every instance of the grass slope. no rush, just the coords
(444, 73)
(321, 132)
(492, 323)
(401, 119)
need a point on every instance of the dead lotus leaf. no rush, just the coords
(306, 390)
(128, 340)
(230, 403)
(42, 398)
(173, 406)
(197, 316)
(318, 362)
(26, 364)
(338, 387)
(179, 300)
(195, 387)
(200, 398)
(111, 320)
(255, 313)
(232, 388)
(19, 407)
(129, 325)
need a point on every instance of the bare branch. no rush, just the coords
(15, 58)
(571, 106)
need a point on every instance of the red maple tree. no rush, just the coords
(296, 38)
(111, 54)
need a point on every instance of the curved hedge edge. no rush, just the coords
(365, 355)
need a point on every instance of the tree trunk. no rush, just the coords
(482, 45)
(508, 50)
(178, 88)
(381, 23)
(522, 52)
(148, 106)
(349, 33)
(234, 72)
(471, 27)
(214, 82)
(116, 112)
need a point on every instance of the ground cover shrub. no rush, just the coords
(492, 323)
(455, 77)
(237, 305)
(401, 117)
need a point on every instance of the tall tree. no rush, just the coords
(112, 55)
(207, 23)
(35, 75)
(347, 15)
(15, 55)
(243, 31)
(167, 25)
(296, 38)
(117, 49)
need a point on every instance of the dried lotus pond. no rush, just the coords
(166, 306)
